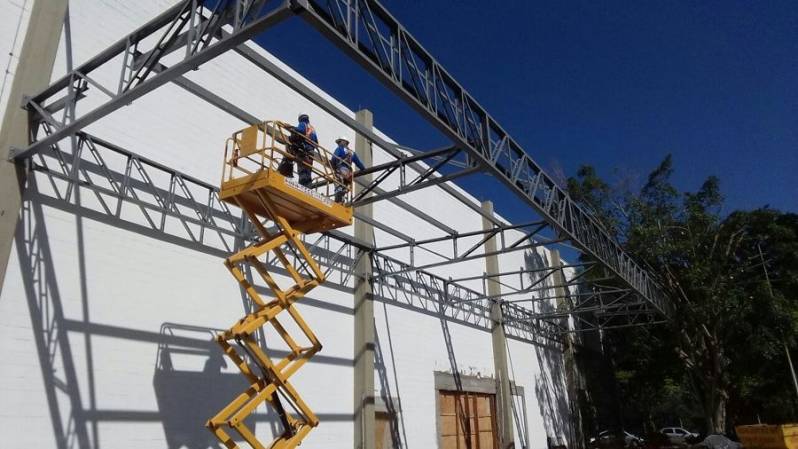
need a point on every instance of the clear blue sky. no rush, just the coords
(617, 85)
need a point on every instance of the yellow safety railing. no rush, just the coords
(265, 145)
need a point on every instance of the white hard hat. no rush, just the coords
(345, 139)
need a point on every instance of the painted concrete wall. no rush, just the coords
(105, 332)
(13, 24)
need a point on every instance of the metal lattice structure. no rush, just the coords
(367, 32)
(191, 33)
(166, 204)
(609, 289)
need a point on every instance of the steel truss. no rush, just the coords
(600, 309)
(367, 32)
(534, 280)
(189, 33)
(422, 179)
(164, 203)
(193, 32)
(475, 241)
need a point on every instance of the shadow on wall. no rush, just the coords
(189, 381)
(396, 435)
(51, 329)
(187, 398)
(550, 384)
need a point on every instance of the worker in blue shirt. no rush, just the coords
(302, 147)
(342, 160)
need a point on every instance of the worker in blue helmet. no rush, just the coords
(302, 147)
(342, 161)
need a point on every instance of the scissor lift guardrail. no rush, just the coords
(251, 180)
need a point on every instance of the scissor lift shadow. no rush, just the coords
(187, 397)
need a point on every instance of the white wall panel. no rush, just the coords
(95, 328)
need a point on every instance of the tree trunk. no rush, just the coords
(720, 414)
(706, 363)
(715, 412)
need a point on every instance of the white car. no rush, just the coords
(677, 435)
(606, 437)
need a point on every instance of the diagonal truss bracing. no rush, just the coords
(190, 31)
(127, 189)
(470, 245)
(194, 31)
(368, 33)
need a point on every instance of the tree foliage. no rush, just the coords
(721, 357)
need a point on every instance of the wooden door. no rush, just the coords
(382, 431)
(467, 420)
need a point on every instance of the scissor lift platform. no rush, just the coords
(252, 180)
(305, 209)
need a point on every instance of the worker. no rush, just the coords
(342, 160)
(302, 147)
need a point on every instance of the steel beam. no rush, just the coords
(146, 198)
(368, 33)
(150, 79)
(196, 27)
(530, 239)
(310, 94)
(486, 234)
(521, 272)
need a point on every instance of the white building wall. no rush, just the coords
(13, 24)
(104, 331)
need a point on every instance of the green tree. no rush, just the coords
(725, 322)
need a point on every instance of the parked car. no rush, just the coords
(679, 436)
(611, 439)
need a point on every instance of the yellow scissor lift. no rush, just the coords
(251, 181)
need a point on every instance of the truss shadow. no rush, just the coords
(397, 435)
(550, 382)
(189, 381)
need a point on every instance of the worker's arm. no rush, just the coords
(357, 162)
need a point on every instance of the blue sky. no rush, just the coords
(617, 85)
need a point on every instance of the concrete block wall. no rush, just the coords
(105, 332)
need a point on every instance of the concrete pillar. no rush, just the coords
(571, 373)
(504, 398)
(32, 75)
(364, 310)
